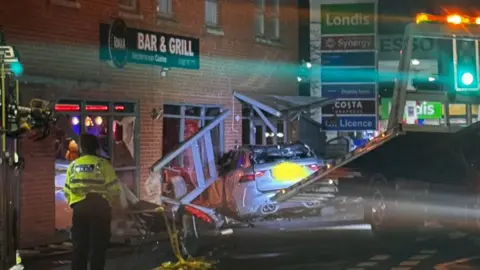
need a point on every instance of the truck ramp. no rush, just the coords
(403, 144)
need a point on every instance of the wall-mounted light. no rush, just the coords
(164, 72)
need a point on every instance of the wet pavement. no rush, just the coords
(313, 243)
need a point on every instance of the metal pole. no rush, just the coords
(172, 155)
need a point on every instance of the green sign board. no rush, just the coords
(425, 110)
(355, 18)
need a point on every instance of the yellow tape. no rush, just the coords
(182, 264)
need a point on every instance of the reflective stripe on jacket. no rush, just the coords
(91, 174)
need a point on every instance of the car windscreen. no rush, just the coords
(274, 153)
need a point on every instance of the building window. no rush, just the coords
(180, 122)
(164, 7)
(259, 17)
(115, 125)
(275, 19)
(211, 12)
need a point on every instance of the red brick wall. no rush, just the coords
(60, 44)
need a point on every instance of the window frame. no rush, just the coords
(274, 17)
(202, 118)
(260, 11)
(109, 117)
(168, 12)
(212, 3)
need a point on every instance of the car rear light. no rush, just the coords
(251, 176)
(198, 214)
(314, 167)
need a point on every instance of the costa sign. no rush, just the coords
(351, 107)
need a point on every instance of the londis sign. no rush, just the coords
(120, 45)
(355, 18)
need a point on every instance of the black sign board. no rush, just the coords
(351, 107)
(120, 45)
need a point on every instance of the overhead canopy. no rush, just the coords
(280, 105)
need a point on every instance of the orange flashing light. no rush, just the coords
(424, 17)
(456, 19)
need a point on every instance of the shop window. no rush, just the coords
(246, 131)
(123, 132)
(246, 111)
(66, 148)
(98, 126)
(259, 134)
(190, 123)
(95, 118)
(171, 134)
(215, 134)
(212, 112)
(193, 111)
(172, 109)
(269, 136)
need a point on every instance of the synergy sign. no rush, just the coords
(121, 45)
(348, 58)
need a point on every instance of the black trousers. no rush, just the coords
(90, 232)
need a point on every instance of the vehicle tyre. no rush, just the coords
(377, 207)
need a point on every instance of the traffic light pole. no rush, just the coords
(9, 161)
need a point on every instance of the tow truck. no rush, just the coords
(415, 176)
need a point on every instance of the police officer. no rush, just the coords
(91, 189)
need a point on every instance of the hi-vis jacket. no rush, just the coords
(91, 174)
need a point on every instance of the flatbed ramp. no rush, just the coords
(391, 148)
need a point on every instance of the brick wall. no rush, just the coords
(60, 45)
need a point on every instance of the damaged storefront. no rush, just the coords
(275, 119)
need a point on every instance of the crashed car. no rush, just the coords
(252, 174)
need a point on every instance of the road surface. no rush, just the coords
(314, 244)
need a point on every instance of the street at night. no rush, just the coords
(233, 135)
(330, 243)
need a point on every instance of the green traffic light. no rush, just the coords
(467, 78)
(17, 68)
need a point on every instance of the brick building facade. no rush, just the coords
(59, 45)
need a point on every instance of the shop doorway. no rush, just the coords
(116, 126)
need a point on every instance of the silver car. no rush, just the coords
(250, 168)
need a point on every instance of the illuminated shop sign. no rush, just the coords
(121, 45)
(117, 107)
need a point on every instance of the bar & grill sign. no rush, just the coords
(121, 45)
(349, 65)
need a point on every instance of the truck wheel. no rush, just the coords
(377, 210)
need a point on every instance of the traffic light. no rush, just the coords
(465, 53)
